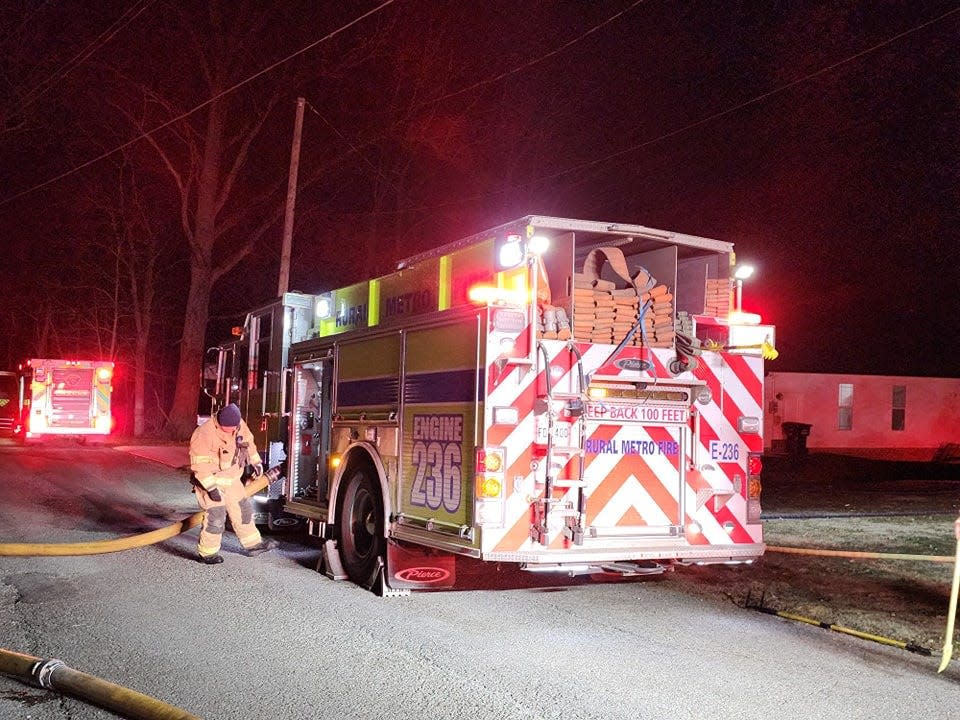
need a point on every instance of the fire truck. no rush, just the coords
(67, 397)
(565, 395)
(11, 404)
(252, 371)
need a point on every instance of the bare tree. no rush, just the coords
(135, 245)
(224, 213)
(206, 161)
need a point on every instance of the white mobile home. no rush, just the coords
(908, 418)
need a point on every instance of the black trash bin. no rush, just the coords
(796, 437)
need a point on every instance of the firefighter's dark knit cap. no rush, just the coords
(229, 416)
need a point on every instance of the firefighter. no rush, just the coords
(956, 528)
(220, 451)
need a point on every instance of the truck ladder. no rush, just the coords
(573, 529)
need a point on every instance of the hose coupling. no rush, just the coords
(43, 670)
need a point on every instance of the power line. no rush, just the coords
(347, 141)
(697, 123)
(753, 101)
(41, 88)
(535, 61)
(23, 23)
(190, 112)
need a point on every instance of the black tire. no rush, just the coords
(360, 525)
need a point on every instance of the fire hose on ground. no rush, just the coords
(860, 555)
(857, 555)
(54, 674)
(99, 547)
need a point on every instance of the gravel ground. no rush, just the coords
(852, 504)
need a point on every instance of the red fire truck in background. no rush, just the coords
(67, 397)
(11, 404)
(566, 395)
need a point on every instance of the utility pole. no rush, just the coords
(291, 201)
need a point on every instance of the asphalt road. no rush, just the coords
(268, 637)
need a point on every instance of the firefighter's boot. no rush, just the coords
(210, 559)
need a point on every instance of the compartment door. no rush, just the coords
(634, 474)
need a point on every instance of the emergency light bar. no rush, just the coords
(509, 252)
(324, 307)
(489, 295)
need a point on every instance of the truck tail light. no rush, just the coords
(490, 468)
(488, 486)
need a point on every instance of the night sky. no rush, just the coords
(821, 138)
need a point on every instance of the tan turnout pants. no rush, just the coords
(233, 503)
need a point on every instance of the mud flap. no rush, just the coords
(411, 567)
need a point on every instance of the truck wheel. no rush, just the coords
(360, 526)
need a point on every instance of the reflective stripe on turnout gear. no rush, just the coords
(213, 454)
(233, 503)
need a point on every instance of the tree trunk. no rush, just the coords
(183, 413)
(139, 381)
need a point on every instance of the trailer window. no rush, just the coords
(899, 418)
(845, 411)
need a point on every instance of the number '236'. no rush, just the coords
(438, 475)
(724, 451)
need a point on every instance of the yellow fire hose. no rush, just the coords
(55, 674)
(856, 555)
(919, 649)
(99, 547)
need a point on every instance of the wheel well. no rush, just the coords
(360, 456)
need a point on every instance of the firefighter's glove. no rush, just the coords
(251, 473)
(214, 494)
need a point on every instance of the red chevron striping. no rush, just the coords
(517, 535)
(632, 465)
(707, 433)
(601, 494)
(518, 466)
(497, 434)
(661, 434)
(723, 515)
(744, 375)
(602, 432)
(632, 517)
(696, 481)
(753, 385)
(733, 414)
(704, 373)
(659, 369)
